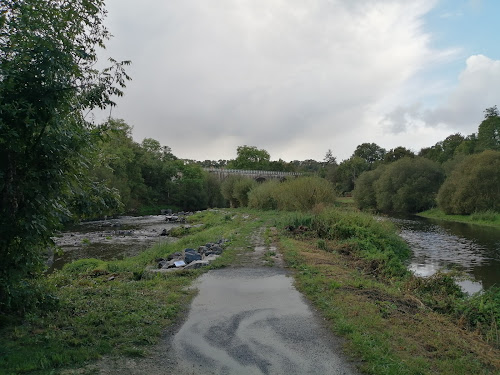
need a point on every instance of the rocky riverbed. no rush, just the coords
(114, 238)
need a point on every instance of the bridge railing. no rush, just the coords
(251, 172)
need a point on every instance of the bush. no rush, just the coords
(262, 196)
(408, 185)
(304, 193)
(473, 186)
(482, 312)
(227, 190)
(364, 190)
(241, 188)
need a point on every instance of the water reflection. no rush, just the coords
(439, 245)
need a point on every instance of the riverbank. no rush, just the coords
(489, 219)
(348, 265)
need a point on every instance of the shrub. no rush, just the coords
(408, 185)
(473, 186)
(262, 196)
(364, 190)
(304, 193)
(227, 189)
(241, 188)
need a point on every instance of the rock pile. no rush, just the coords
(191, 258)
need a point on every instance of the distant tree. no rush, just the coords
(408, 185)
(488, 136)
(491, 112)
(364, 190)
(347, 173)
(398, 153)
(444, 150)
(370, 152)
(329, 159)
(473, 186)
(250, 157)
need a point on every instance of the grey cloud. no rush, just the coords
(293, 77)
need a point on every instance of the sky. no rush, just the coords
(300, 77)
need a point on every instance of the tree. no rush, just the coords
(398, 153)
(408, 185)
(250, 157)
(491, 112)
(370, 152)
(488, 135)
(347, 173)
(473, 186)
(47, 84)
(444, 150)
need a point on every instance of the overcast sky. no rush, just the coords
(299, 77)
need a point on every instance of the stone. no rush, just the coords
(196, 264)
(216, 250)
(211, 258)
(202, 250)
(177, 255)
(164, 232)
(162, 263)
(190, 255)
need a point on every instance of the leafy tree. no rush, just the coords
(474, 185)
(488, 136)
(48, 81)
(347, 173)
(250, 157)
(364, 191)
(491, 112)
(398, 153)
(329, 159)
(408, 185)
(370, 152)
(444, 150)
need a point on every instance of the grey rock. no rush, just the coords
(196, 264)
(190, 255)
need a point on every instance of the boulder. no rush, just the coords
(190, 255)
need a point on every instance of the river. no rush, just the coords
(114, 238)
(443, 245)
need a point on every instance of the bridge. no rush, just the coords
(259, 176)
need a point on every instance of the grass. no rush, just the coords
(112, 308)
(348, 265)
(488, 218)
(379, 309)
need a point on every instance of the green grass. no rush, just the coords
(349, 267)
(112, 308)
(489, 218)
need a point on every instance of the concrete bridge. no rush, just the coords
(259, 176)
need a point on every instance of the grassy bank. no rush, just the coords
(489, 218)
(350, 266)
(98, 308)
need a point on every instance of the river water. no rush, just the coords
(115, 238)
(442, 245)
(436, 245)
